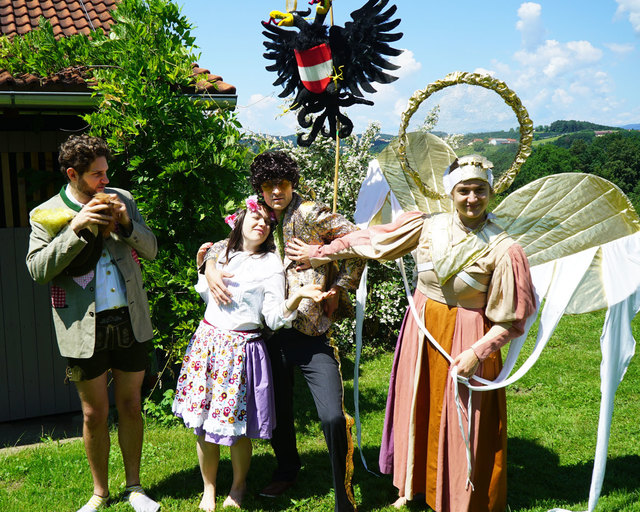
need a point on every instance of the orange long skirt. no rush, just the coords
(427, 447)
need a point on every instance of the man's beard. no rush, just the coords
(84, 188)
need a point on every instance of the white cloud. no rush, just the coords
(561, 98)
(483, 71)
(261, 102)
(554, 58)
(530, 24)
(407, 62)
(466, 108)
(632, 9)
(400, 106)
(620, 49)
(561, 79)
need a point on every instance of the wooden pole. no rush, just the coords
(335, 176)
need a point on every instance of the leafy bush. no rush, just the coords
(158, 407)
(181, 160)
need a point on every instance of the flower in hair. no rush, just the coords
(231, 220)
(252, 203)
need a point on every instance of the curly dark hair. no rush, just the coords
(273, 165)
(79, 152)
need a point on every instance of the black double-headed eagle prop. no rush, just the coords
(327, 68)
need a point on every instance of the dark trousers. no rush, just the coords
(315, 358)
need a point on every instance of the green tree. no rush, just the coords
(566, 141)
(545, 160)
(181, 159)
(478, 146)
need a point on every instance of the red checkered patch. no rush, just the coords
(135, 256)
(58, 297)
(85, 279)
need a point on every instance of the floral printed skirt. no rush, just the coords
(224, 390)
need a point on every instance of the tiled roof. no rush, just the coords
(65, 80)
(211, 84)
(74, 79)
(69, 17)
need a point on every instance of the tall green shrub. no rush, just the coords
(181, 160)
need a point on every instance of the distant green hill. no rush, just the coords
(547, 133)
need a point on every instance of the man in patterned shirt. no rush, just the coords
(275, 175)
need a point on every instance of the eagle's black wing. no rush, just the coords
(280, 48)
(362, 48)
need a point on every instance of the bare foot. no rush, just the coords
(208, 502)
(235, 498)
(400, 502)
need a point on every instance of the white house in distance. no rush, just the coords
(496, 142)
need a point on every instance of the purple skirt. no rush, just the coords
(224, 390)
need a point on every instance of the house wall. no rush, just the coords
(32, 371)
(29, 173)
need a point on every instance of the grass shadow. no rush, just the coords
(314, 483)
(314, 480)
(560, 484)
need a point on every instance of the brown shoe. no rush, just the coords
(276, 488)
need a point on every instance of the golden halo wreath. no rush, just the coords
(488, 82)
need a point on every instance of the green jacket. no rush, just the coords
(73, 299)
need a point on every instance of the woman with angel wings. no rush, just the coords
(474, 294)
(581, 237)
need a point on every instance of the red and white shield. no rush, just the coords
(315, 66)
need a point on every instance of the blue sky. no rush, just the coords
(566, 59)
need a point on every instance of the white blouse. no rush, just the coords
(257, 289)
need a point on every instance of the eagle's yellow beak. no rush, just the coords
(323, 7)
(282, 19)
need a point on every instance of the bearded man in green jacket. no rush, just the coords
(86, 242)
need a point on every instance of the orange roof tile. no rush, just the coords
(68, 17)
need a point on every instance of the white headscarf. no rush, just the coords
(470, 167)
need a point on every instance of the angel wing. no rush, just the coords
(582, 237)
(361, 47)
(280, 46)
(429, 156)
(564, 214)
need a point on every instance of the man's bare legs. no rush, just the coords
(240, 461)
(128, 387)
(95, 407)
(95, 430)
(209, 457)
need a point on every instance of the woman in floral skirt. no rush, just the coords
(224, 389)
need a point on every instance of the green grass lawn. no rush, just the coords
(553, 416)
(546, 141)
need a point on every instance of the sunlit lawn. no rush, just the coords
(553, 415)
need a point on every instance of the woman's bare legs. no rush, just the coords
(208, 456)
(240, 461)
